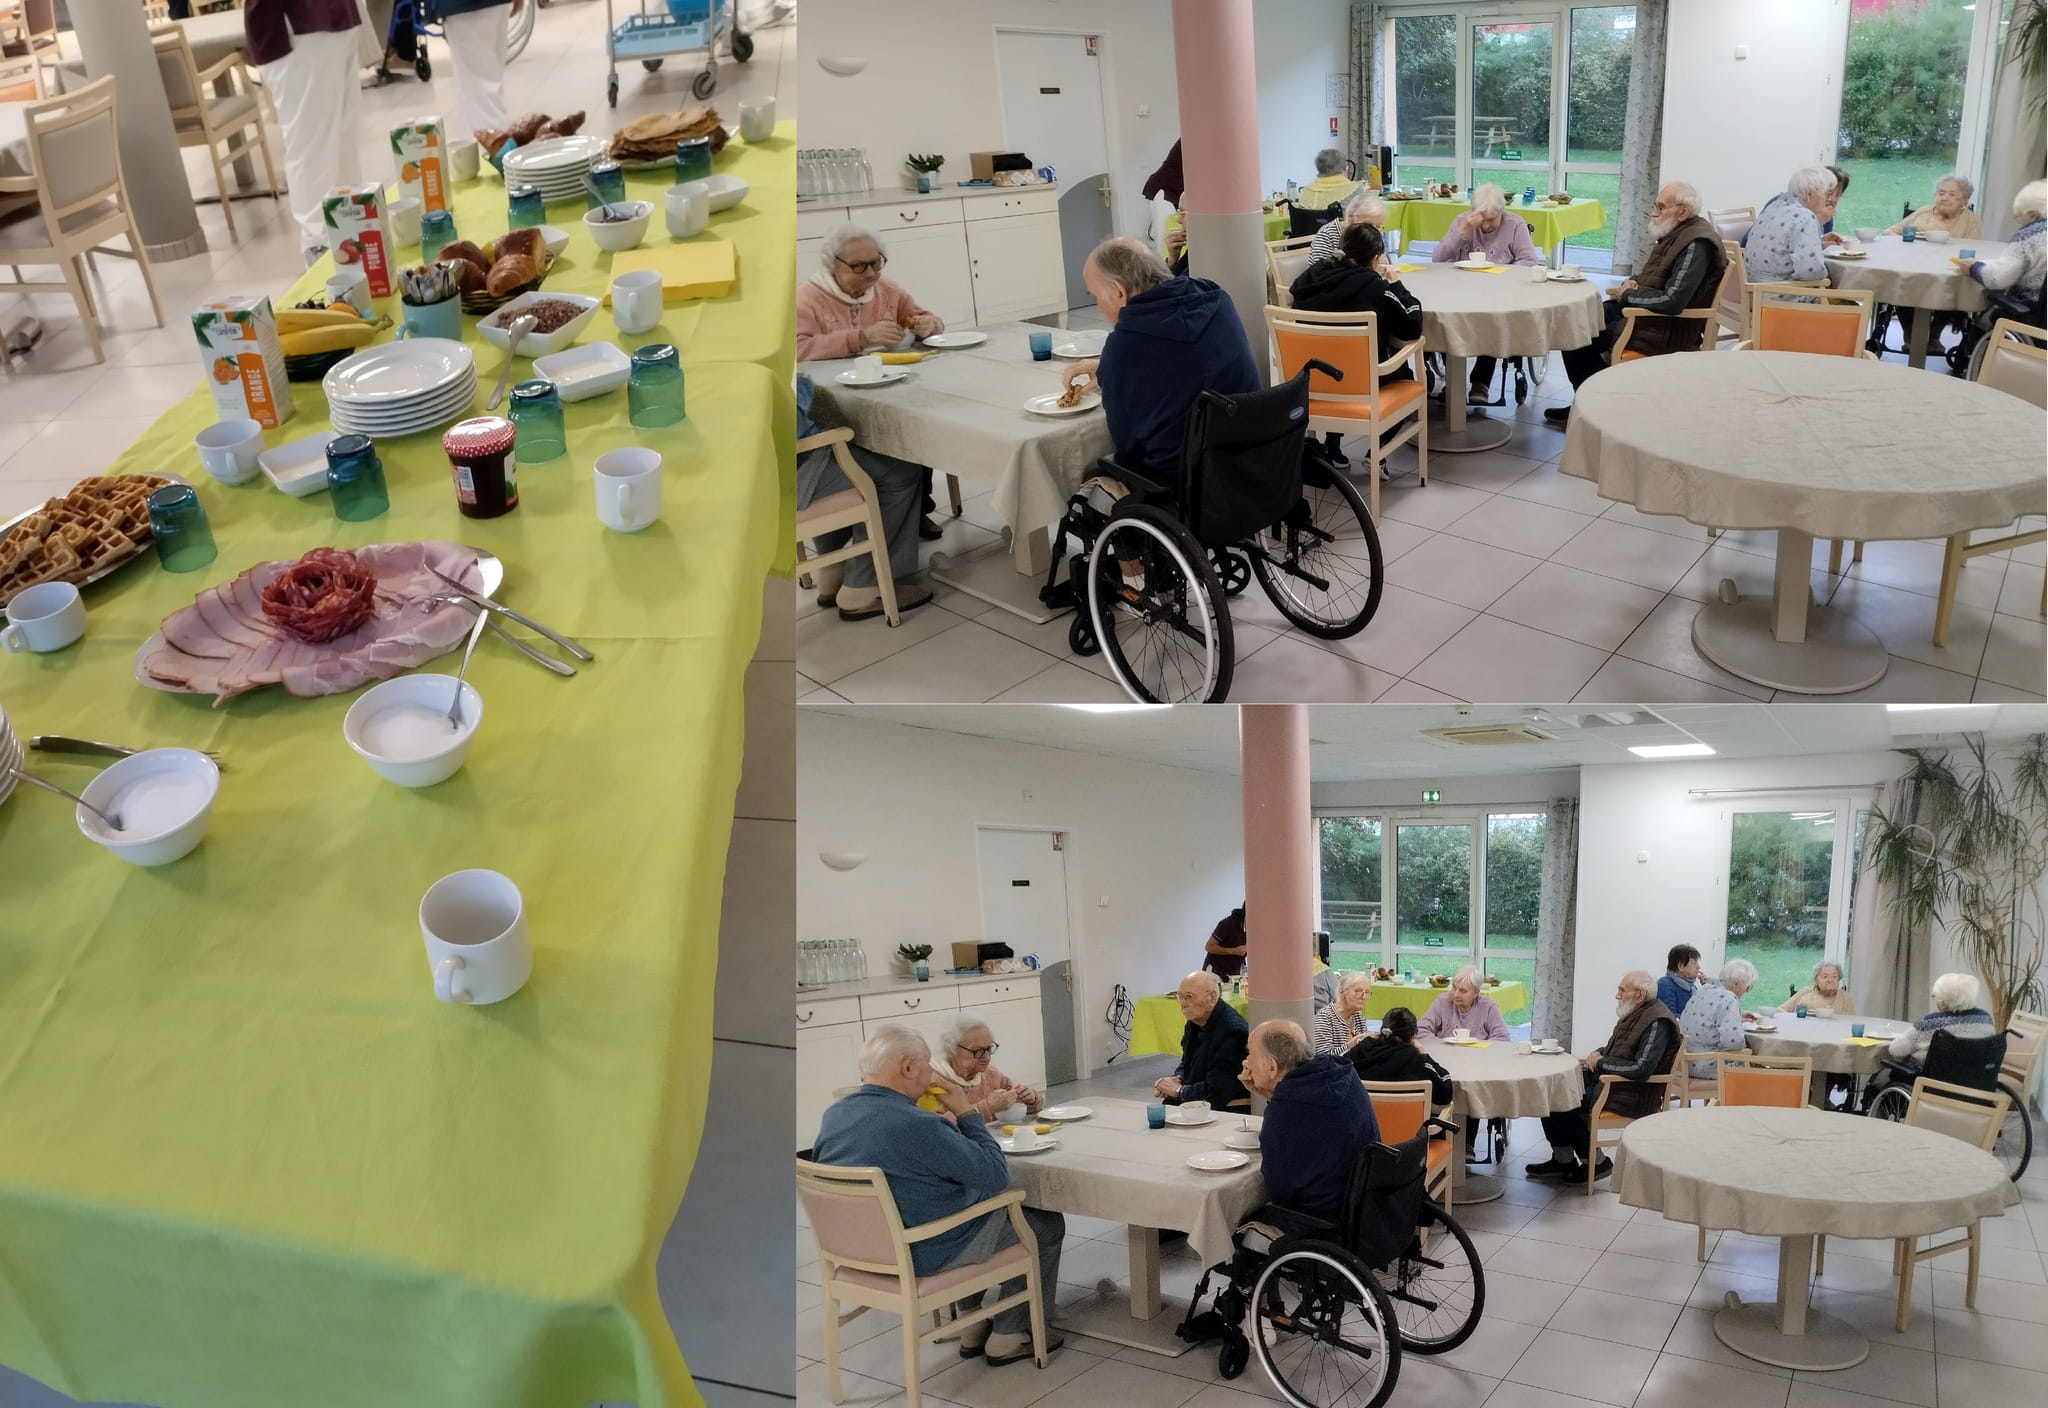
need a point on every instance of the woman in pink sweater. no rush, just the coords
(848, 308)
(962, 1061)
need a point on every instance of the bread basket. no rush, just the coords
(483, 301)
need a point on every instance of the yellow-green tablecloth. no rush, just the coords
(246, 1159)
(1156, 1023)
(1548, 225)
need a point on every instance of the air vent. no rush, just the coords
(1491, 735)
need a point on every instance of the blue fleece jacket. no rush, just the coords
(1317, 1123)
(1674, 992)
(1170, 343)
(934, 1168)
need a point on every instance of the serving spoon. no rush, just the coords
(113, 822)
(521, 326)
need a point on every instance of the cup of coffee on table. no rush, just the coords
(1193, 1109)
(228, 450)
(464, 159)
(1461, 1034)
(1024, 1136)
(43, 618)
(1014, 1113)
(868, 367)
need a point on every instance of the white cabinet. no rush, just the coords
(930, 261)
(827, 1059)
(907, 1003)
(1017, 267)
(1018, 1029)
(979, 258)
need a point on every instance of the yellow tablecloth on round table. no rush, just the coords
(1156, 1023)
(246, 1158)
(1548, 225)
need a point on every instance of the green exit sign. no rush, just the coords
(1432, 795)
(1510, 153)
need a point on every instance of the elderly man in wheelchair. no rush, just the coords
(1349, 1264)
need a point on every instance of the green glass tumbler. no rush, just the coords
(355, 479)
(654, 388)
(184, 540)
(537, 422)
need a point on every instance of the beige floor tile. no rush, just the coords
(1496, 661)
(1580, 606)
(1590, 1368)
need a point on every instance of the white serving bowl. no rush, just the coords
(1866, 233)
(583, 372)
(725, 191)
(164, 798)
(1935, 236)
(555, 240)
(299, 467)
(492, 328)
(393, 726)
(613, 236)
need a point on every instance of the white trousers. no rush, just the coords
(314, 87)
(476, 45)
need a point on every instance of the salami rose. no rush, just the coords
(325, 594)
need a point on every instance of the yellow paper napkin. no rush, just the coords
(692, 269)
(1408, 268)
(898, 359)
(1868, 1041)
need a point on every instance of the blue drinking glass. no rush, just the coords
(184, 541)
(537, 420)
(355, 479)
(1041, 346)
(526, 207)
(693, 159)
(1909, 234)
(437, 230)
(611, 184)
(1155, 1115)
(654, 388)
(497, 158)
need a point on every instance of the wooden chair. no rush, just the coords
(1731, 308)
(1361, 404)
(29, 39)
(2025, 1034)
(1745, 1078)
(1285, 259)
(864, 1259)
(1633, 318)
(1733, 222)
(1973, 1116)
(1399, 1107)
(1677, 1090)
(222, 124)
(2015, 361)
(859, 506)
(80, 200)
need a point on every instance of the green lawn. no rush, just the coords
(1779, 970)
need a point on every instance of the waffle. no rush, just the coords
(102, 521)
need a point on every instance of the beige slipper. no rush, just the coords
(860, 603)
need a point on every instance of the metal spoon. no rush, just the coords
(590, 184)
(520, 328)
(113, 822)
(455, 705)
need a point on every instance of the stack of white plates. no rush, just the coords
(10, 755)
(401, 388)
(556, 165)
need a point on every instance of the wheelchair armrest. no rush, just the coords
(1445, 1125)
(1134, 480)
(1292, 1223)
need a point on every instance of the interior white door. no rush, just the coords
(1024, 905)
(1052, 112)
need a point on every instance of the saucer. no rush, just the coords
(1009, 1145)
(1063, 1113)
(1219, 1162)
(1174, 1116)
(889, 374)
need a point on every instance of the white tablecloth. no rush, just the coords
(962, 412)
(1838, 447)
(1826, 1041)
(1916, 275)
(1499, 1082)
(1502, 315)
(1792, 1173)
(1112, 1166)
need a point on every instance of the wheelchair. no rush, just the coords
(1973, 1063)
(1330, 1309)
(1151, 565)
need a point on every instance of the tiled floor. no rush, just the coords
(1506, 581)
(62, 417)
(1587, 1303)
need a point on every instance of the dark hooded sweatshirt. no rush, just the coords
(1376, 1059)
(1317, 1123)
(1334, 286)
(1170, 344)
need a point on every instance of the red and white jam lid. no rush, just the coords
(479, 437)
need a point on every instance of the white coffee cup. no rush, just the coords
(757, 119)
(1935, 236)
(1193, 1109)
(228, 450)
(1570, 271)
(474, 925)
(1461, 1034)
(868, 367)
(636, 301)
(350, 286)
(1866, 233)
(1015, 1113)
(405, 220)
(628, 488)
(1524, 1047)
(464, 159)
(1025, 1136)
(46, 617)
(687, 209)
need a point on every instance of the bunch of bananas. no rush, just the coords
(309, 332)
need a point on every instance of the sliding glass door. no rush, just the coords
(1791, 871)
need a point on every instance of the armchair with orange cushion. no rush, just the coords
(1389, 413)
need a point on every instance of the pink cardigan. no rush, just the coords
(981, 1090)
(1483, 1021)
(827, 328)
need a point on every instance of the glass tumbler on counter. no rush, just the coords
(654, 388)
(184, 539)
(610, 180)
(525, 207)
(693, 159)
(437, 230)
(355, 479)
(537, 420)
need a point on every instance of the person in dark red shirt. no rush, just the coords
(1227, 946)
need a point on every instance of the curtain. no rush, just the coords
(1364, 118)
(1889, 960)
(1557, 923)
(1642, 139)
(2015, 154)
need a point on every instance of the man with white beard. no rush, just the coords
(1644, 1043)
(1683, 271)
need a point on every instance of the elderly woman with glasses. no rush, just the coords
(1950, 211)
(848, 307)
(963, 1063)
(1465, 1007)
(1341, 1025)
(1363, 208)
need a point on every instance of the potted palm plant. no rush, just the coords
(915, 955)
(1970, 846)
(924, 166)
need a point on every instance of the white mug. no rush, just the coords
(1193, 1109)
(1570, 271)
(1392, 238)
(228, 450)
(464, 159)
(405, 220)
(474, 925)
(757, 119)
(350, 286)
(868, 367)
(636, 301)
(1024, 1136)
(1015, 1113)
(1462, 1034)
(628, 488)
(46, 617)
(687, 209)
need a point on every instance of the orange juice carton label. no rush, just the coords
(359, 232)
(420, 147)
(244, 360)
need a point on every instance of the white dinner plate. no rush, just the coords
(1850, 254)
(1174, 1116)
(1009, 1145)
(1546, 1051)
(956, 339)
(1760, 1027)
(398, 371)
(1221, 1161)
(1468, 1041)
(1558, 278)
(1060, 1113)
(556, 154)
(455, 397)
(1049, 404)
(889, 374)
(1079, 345)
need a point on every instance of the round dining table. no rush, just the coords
(1921, 274)
(1826, 1041)
(1501, 1080)
(1810, 447)
(1796, 1175)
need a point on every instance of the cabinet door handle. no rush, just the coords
(913, 1002)
(908, 215)
(803, 1017)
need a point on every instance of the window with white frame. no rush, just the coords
(1788, 883)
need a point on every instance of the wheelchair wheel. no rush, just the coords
(1165, 629)
(1890, 1103)
(1081, 635)
(1231, 570)
(1235, 1354)
(1323, 1330)
(1437, 1287)
(1321, 565)
(2015, 1146)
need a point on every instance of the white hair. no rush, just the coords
(956, 1031)
(1329, 161)
(840, 236)
(1354, 980)
(1956, 178)
(1738, 975)
(1954, 991)
(1639, 982)
(1685, 193)
(1215, 983)
(1809, 181)
(889, 1045)
(1467, 976)
(2032, 200)
(1824, 965)
(1363, 204)
(1489, 198)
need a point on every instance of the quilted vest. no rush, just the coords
(1634, 1098)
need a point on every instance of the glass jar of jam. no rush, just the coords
(480, 457)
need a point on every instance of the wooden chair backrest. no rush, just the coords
(2016, 361)
(1829, 322)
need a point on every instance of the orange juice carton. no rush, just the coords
(244, 359)
(420, 148)
(359, 232)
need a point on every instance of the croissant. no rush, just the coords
(527, 242)
(467, 253)
(512, 272)
(525, 125)
(490, 139)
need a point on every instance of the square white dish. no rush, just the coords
(299, 467)
(492, 328)
(583, 372)
(727, 191)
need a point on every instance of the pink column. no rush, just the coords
(1219, 143)
(1279, 859)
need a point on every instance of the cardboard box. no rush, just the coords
(967, 955)
(984, 165)
(359, 232)
(420, 147)
(244, 360)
